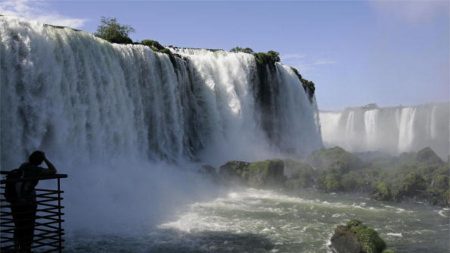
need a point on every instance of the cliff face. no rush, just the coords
(392, 129)
(78, 96)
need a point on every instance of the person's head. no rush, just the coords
(36, 158)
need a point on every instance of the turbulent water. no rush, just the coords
(249, 220)
(391, 129)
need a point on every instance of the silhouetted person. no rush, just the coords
(23, 206)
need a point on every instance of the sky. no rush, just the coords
(356, 52)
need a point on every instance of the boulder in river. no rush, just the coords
(357, 238)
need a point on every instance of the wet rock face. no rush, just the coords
(233, 170)
(256, 174)
(265, 173)
(356, 238)
(344, 241)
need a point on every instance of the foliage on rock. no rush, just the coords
(242, 50)
(358, 238)
(111, 30)
(408, 176)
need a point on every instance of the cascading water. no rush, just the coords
(66, 91)
(109, 115)
(392, 129)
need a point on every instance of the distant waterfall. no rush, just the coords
(80, 97)
(390, 129)
(406, 129)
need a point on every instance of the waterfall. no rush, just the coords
(406, 129)
(370, 123)
(390, 129)
(129, 125)
(79, 97)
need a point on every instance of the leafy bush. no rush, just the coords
(334, 158)
(157, 47)
(153, 44)
(368, 237)
(267, 58)
(411, 185)
(382, 192)
(300, 175)
(274, 56)
(241, 49)
(112, 31)
(309, 86)
(330, 181)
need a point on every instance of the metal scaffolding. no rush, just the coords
(48, 230)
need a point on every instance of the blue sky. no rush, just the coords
(357, 52)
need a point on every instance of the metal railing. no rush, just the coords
(48, 230)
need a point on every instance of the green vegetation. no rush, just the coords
(369, 238)
(112, 31)
(156, 46)
(153, 44)
(382, 191)
(385, 178)
(267, 58)
(309, 86)
(422, 175)
(270, 57)
(299, 175)
(334, 159)
(264, 173)
(242, 50)
(330, 181)
(356, 237)
(257, 174)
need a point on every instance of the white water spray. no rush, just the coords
(393, 129)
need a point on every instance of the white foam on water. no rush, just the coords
(395, 234)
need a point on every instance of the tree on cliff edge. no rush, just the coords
(112, 31)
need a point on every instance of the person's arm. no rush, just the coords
(51, 168)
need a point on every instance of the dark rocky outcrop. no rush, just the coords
(265, 173)
(256, 174)
(335, 158)
(233, 171)
(428, 156)
(299, 175)
(357, 238)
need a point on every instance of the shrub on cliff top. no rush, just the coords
(267, 58)
(241, 49)
(110, 30)
(153, 44)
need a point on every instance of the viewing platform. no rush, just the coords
(48, 230)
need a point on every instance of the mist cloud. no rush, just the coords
(37, 11)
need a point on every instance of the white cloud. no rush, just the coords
(412, 10)
(37, 11)
(305, 63)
